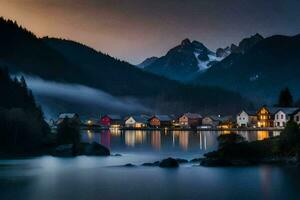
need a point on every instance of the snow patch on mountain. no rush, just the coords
(204, 65)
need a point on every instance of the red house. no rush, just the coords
(111, 120)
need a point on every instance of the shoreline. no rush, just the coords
(183, 129)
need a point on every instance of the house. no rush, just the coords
(218, 121)
(74, 117)
(210, 121)
(160, 121)
(246, 119)
(297, 117)
(283, 115)
(136, 122)
(190, 120)
(114, 121)
(226, 122)
(265, 116)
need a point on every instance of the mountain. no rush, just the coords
(67, 66)
(259, 71)
(147, 62)
(184, 61)
(242, 47)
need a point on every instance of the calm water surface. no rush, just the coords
(92, 178)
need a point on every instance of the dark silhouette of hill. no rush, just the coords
(261, 71)
(71, 62)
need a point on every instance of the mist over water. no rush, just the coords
(79, 98)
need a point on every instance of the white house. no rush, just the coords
(283, 115)
(136, 122)
(246, 118)
(297, 117)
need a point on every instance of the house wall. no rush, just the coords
(154, 122)
(297, 117)
(280, 119)
(105, 121)
(264, 118)
(184, 121)
(243, 119)
(130, 122)
(207, 121)
(253, 120)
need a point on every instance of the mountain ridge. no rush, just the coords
(70, 62)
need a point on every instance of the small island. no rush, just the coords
(233, 150)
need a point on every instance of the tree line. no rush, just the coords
(22, 126)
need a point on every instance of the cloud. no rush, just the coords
(80, 94)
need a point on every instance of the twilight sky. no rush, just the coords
(135, 29)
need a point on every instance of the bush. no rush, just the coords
(290, 138)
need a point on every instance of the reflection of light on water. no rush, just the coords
(205, 142)
(156, 140)
(265, 176)
(130, 139)
(115, 131)
(261, 135)
(134, 137)
(200, 139)
(173, 141)
(184, 140)
(90, 135)
(208, 139)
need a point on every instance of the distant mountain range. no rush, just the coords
(261, 71)
(58, 61)
(185, 61)
(147, 62)
(257, 67)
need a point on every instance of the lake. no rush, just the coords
(90, 178)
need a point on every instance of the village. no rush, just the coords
(265, 118)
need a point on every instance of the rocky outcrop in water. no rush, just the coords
(169, 163)
(93, 149)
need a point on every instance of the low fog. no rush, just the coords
(55, 97)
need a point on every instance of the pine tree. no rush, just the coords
(285, 98)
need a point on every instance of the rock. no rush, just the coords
(66, 150)
(148, 164)
(117, 154)
(151, 164)
(196, 160)
(129, 165)
(93, 149)
(169, 163)
(179, 160)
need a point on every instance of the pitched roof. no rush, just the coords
(221, 118)
(140, 119)
(249, 112)
(288, 111)
(163, 117)
(114, 117)
(192, 115)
